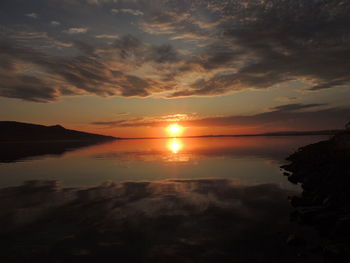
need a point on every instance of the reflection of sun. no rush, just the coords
(174, 130)
(175, 145)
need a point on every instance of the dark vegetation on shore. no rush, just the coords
(323, 170)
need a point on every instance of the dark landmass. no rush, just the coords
(323, 170)
(11, 131)
(20, 141)
(194, 221)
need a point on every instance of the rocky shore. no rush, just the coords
(323, 170)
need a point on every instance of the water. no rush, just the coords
(160, 200)
(248, 160)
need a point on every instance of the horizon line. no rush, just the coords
(280, 133)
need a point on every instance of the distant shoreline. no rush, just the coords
(270, 134)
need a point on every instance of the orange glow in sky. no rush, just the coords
(174, 130)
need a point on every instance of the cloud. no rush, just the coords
(87, 73)
(99, 2)
(106, 36)
(286, 99)
(295, 107)
(32, 15)
(26, 88)
(259, 44)
(177, 23)
(146, 121)
(190, 36)
(279, 119)
(164, 53)
(280, 41)
(134, 12)
(26, 36)
(122, 113)
(283, 117)
(231, 46)
(76, 30)
(55, 23)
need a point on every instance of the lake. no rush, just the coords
(149, 200)
(248, 160)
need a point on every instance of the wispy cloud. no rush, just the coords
(32, 15)
(26, 37)
(134, 12)
(146, 121)
(76, 30)
(286, 99)
(283, 117)
(55, 23)
(90, 72)
(107, 36)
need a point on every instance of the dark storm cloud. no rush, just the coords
(284, 117)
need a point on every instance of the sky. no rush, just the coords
(130, 68)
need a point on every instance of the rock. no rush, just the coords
(295, 241)
(323, 171)
(293, 179)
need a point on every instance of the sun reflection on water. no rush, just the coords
(175, 145)
(176, 153)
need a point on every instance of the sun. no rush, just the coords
(174, 130)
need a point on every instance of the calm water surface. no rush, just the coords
(203, 200)
(248, 160)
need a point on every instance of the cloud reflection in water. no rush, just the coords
(206, 220)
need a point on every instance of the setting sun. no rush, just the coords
(174, 130)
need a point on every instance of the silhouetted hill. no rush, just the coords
(11, 131)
